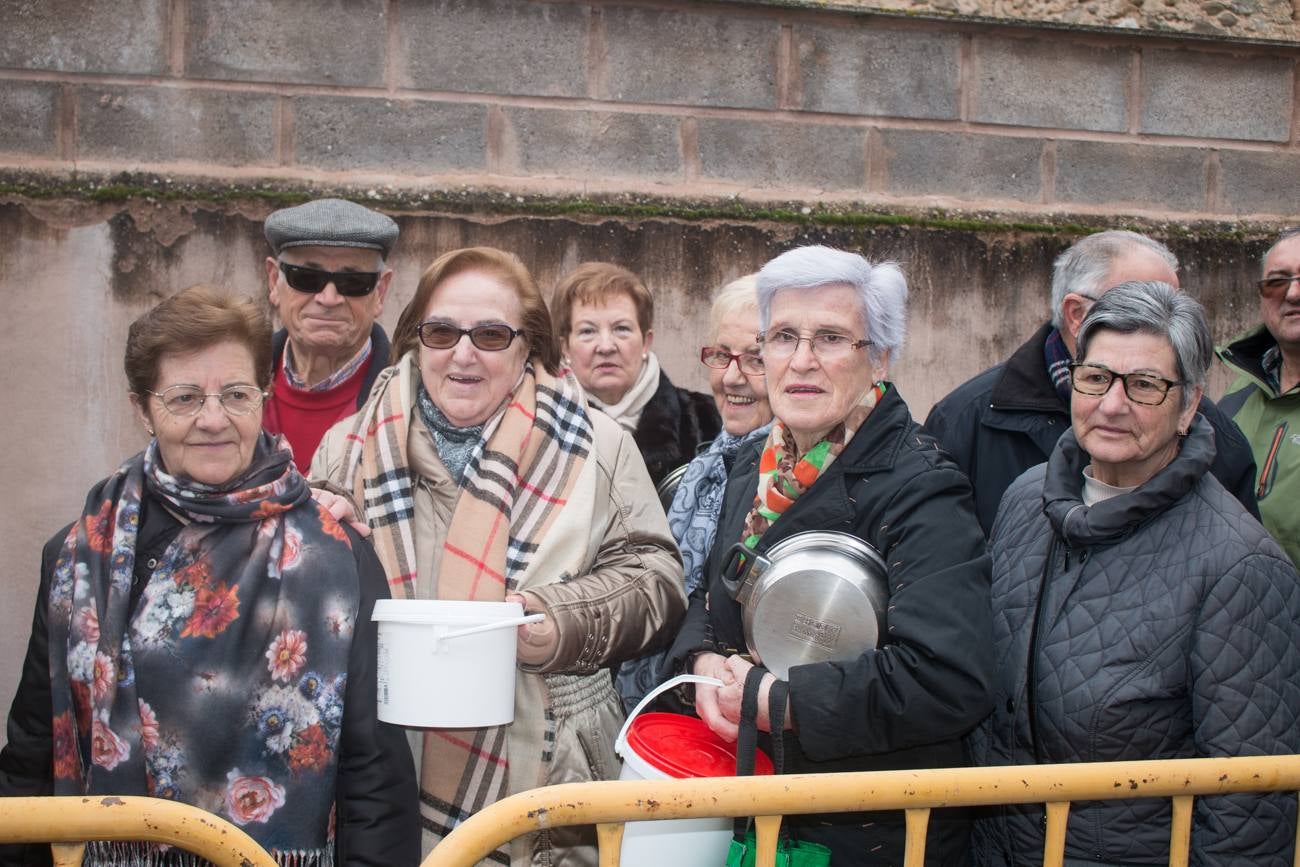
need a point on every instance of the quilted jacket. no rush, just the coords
(1158, 624)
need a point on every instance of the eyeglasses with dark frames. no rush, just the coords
(826, 345)
(444, 335)
(312, 281)
(720, 359)
(1147, 389)
(184, 401)
(1277, 285)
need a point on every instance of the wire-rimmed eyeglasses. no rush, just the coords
(184, 401)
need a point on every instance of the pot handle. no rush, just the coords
(738, 569)
(488, 627)
(620, 743)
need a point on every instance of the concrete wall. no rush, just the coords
(143, 141)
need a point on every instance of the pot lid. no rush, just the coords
(684, 746)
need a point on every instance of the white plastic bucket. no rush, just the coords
(674, 842)
(447, 664)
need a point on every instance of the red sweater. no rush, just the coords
(304, 416)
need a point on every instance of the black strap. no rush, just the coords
(747, 738)
(776, 699)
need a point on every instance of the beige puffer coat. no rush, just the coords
(609, 577)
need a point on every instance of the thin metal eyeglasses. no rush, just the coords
(184, 401)
(444, 335)
(1095, 380)
(826, 345)
(720, 359)
(1276, 286)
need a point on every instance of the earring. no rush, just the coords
(149, 428)
(645, 356)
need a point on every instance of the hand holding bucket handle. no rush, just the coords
(620, 743)
(488, 627)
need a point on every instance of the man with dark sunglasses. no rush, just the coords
(327, 282)
(1264, 401)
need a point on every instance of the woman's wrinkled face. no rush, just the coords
(741, 397)
(810, 395)
(213, 447)
(467, 383)
(1129, 442)
(606, 346)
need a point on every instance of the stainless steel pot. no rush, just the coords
(667, 487)
(814, 597)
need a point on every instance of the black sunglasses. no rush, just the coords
(444, 335)
(352, 284)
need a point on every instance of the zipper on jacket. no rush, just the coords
(1032, 664)
(1269, 470)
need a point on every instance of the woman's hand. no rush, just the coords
(706, 695)
(342, 510)
(730, 696)
(535, 642)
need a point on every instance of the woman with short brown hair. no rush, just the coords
(604, 314)
(202, 632)
(471, 430)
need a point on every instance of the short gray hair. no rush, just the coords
(1152, 307)
(731, 301)
(881, 289)
(1286, 235)
(1084, 266)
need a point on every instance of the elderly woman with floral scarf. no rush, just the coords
(740, 393)
(484, 477)
(202, 631)
(843, 454)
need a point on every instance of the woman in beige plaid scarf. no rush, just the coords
(483, 476)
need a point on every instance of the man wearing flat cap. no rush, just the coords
(327, 282)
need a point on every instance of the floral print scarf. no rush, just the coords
(224, 686)
(784, 475)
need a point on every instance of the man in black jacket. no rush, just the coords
(1008, 418)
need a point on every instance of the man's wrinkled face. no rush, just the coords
(327, 322)
(1280, 309)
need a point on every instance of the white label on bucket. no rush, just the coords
(381, 670)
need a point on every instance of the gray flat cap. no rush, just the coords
(330, 223)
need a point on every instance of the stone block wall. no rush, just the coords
(757, 100)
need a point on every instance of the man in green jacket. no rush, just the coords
(1264, 400)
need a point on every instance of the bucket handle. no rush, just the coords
(488, 627)
(620, 743)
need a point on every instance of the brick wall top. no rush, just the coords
(676, 99)
(1232, 19)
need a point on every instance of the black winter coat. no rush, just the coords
(377, 800)
(908, 703)
(673, 426)
(1008, 419)
(1158, 624)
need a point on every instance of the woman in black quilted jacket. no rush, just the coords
(1139, 611)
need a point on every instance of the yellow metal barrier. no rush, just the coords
(65, 822)
(608, 805)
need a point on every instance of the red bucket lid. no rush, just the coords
(684, 746)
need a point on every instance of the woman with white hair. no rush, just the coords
(844, 454)
(1142, 613)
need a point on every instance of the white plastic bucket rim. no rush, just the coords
(428, 680)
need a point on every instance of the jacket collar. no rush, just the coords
(1245, 354)
(379, 351)
(875, 446)
(1024, 383)
(1111, 519)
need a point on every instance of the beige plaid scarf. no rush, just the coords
(533, 451)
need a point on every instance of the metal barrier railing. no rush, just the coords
(608, 805)
(67, 822)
